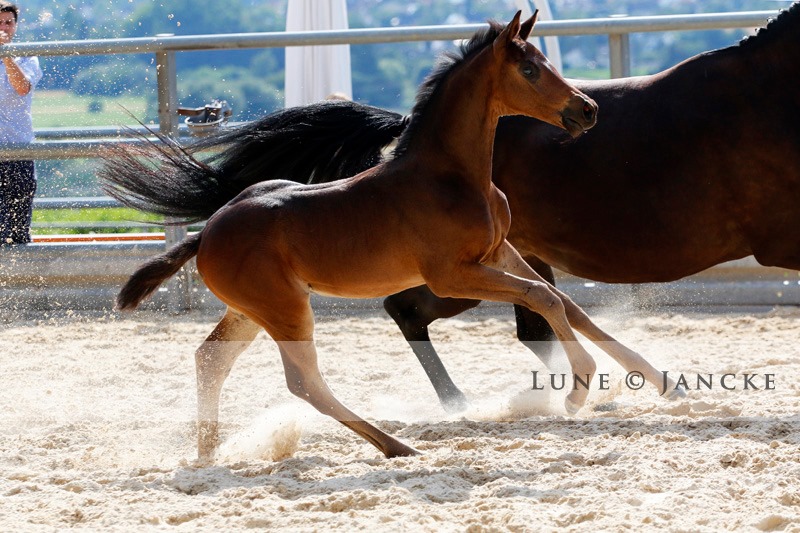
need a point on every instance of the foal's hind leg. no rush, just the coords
(305, 381)
(291, 325)
(627, 358)
(214, 360)
(414, 310)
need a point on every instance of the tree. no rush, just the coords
(108, 79)
(186, 17)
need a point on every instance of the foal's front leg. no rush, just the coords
(214, 360)
(509, 260)
(478, 281)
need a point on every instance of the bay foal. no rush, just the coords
(431, 215)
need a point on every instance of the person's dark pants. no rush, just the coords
(17, 187)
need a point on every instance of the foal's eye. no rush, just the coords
(528, 70)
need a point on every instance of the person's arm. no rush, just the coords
(16, 77)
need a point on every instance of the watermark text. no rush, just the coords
(669, 381)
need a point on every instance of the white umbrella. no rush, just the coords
(315, 72)
(551, 47)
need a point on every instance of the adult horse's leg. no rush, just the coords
(532, 328)
(214, 360)
(414, 310)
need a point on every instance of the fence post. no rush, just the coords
(619, 54)
(179, 287)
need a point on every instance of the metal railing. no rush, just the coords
(164, 47)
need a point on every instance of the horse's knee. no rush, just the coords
(205, 355)
(211, 367)
(216, 356)
(539, 298)
(296, 387)
(296, 382)
(206, 368)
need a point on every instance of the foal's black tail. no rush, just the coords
(308, 144)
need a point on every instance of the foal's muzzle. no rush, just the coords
(579, 115)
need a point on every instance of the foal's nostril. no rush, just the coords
(588, 111)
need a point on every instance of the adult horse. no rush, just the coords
(431, 215)
(687, 168)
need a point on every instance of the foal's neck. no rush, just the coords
(458, 127)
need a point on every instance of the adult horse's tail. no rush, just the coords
(308, 144)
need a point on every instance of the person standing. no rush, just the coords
(18, 77)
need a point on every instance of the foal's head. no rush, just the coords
(527, 84)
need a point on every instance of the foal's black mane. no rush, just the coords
(444, 66)
(786, 23)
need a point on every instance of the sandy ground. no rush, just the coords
(97, 431)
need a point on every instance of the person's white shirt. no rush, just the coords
(16, 120)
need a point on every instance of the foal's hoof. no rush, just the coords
(675, 394)
(572, 407)
(575, 400)
(401, 450)
(203, 462)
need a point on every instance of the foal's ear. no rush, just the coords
(526, 27)
(509, 33)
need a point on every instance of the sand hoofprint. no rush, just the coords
(97, 431)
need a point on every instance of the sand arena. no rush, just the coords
(97, 417)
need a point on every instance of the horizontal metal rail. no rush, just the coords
(75, 202)
(61, 149)
(69, 143)
(102, 132)
(599, 26)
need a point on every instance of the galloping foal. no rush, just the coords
(431, 215)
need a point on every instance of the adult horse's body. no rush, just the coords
(431, 215)
(693, 166)
(686, 169)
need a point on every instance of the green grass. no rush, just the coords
(64, 109)
(92, 220)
